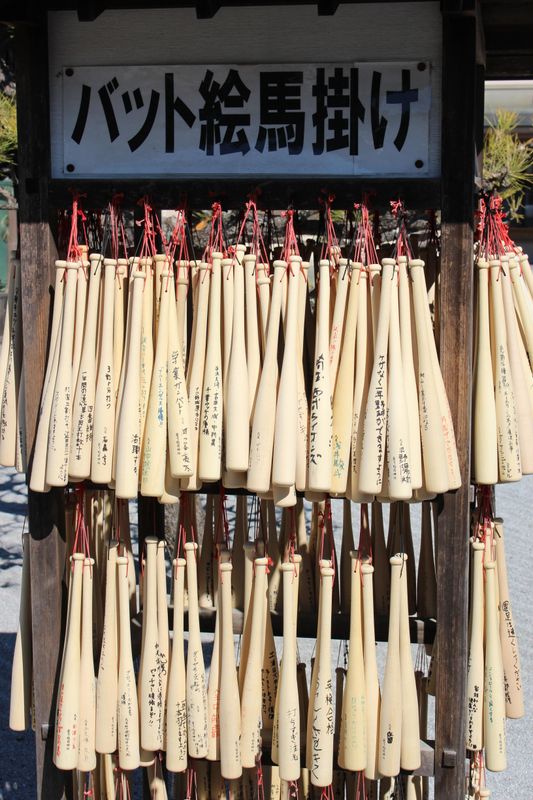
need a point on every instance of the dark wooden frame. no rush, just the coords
(37, 195)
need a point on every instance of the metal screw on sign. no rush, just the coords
(70, 167)
(419, 163)
(69, 72)
(421, 66)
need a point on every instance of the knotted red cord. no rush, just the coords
(402, 246)
(365, 251)
(330, 247)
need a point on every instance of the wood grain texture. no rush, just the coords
(459, 37)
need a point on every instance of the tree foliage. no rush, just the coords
(507, 162)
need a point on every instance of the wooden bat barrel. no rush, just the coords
(372, 695)
(484, 445)
(150, 669)
(253, 353)
(525, 267)
(398, 452)
(344, 392)
(230, 711)
(321, 704)
(227, 316)
(83, 406)
(128, 710)
(87, 725)
(178, 420)
(21, 674)
(251, 699)
(390, 723)
(60, 413)
(107, 684)
(238, 401)
(128, 430)
(66, 738)
(352, 748)
(155, 431)
(134, 267)
(197, 724)
(147, 341)
(286, 418)
(434, 450)
(363, 360)
(302, 444)
(520, 374)
(475, 669)
(514, 698)
(408, 346)
(507, 430)
(375, 417)
(289, 714)
(195, 373)
(176, 759)
(213, 686)
(210, 432)
(162, 630)
(410, 734)
(494, 689)
(320, 412)
(104, 406)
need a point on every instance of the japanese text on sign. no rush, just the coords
(308, 119)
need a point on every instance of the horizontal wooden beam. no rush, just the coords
(274, 193)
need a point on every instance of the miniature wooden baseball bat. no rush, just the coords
(213, 686)
(289, 722)
(520, 374)
(363, 359)
(285, 430)
(372, 695)
(524, 304)
(177, 686)
(494, 689)
(182, 290)
(87, 724)
(210, 432)
(60, 414)
(339, 320)
(398, 453)
(352, 748)
(507, 431)
(107, 684)
(103, 436)
(120, 296)
(197, 724)
(251, 698)
(514, 698)
(302, 440)
(128, 710)
(162, 630)
(237, 400)
(21, 674)
(410, 732)
(320, 422)
(230, 711)
(436, 476)
(67, 728)
(147, 341)
(195, 373)
(408, 345)
(128, 430)
(150, 687)
(83, 406)
(343, 396)
(179, 453)
(485, 444)
(321, 712)
(155, 430)
(390, 723)
(253, 354)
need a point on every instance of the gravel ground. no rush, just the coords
(17, 762)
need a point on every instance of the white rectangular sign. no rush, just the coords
(345, 119)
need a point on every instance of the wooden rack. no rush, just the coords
(462, 114)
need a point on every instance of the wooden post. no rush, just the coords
(458, 152)
(45, 511)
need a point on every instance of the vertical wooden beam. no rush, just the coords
(45, 511)
(458, 156)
